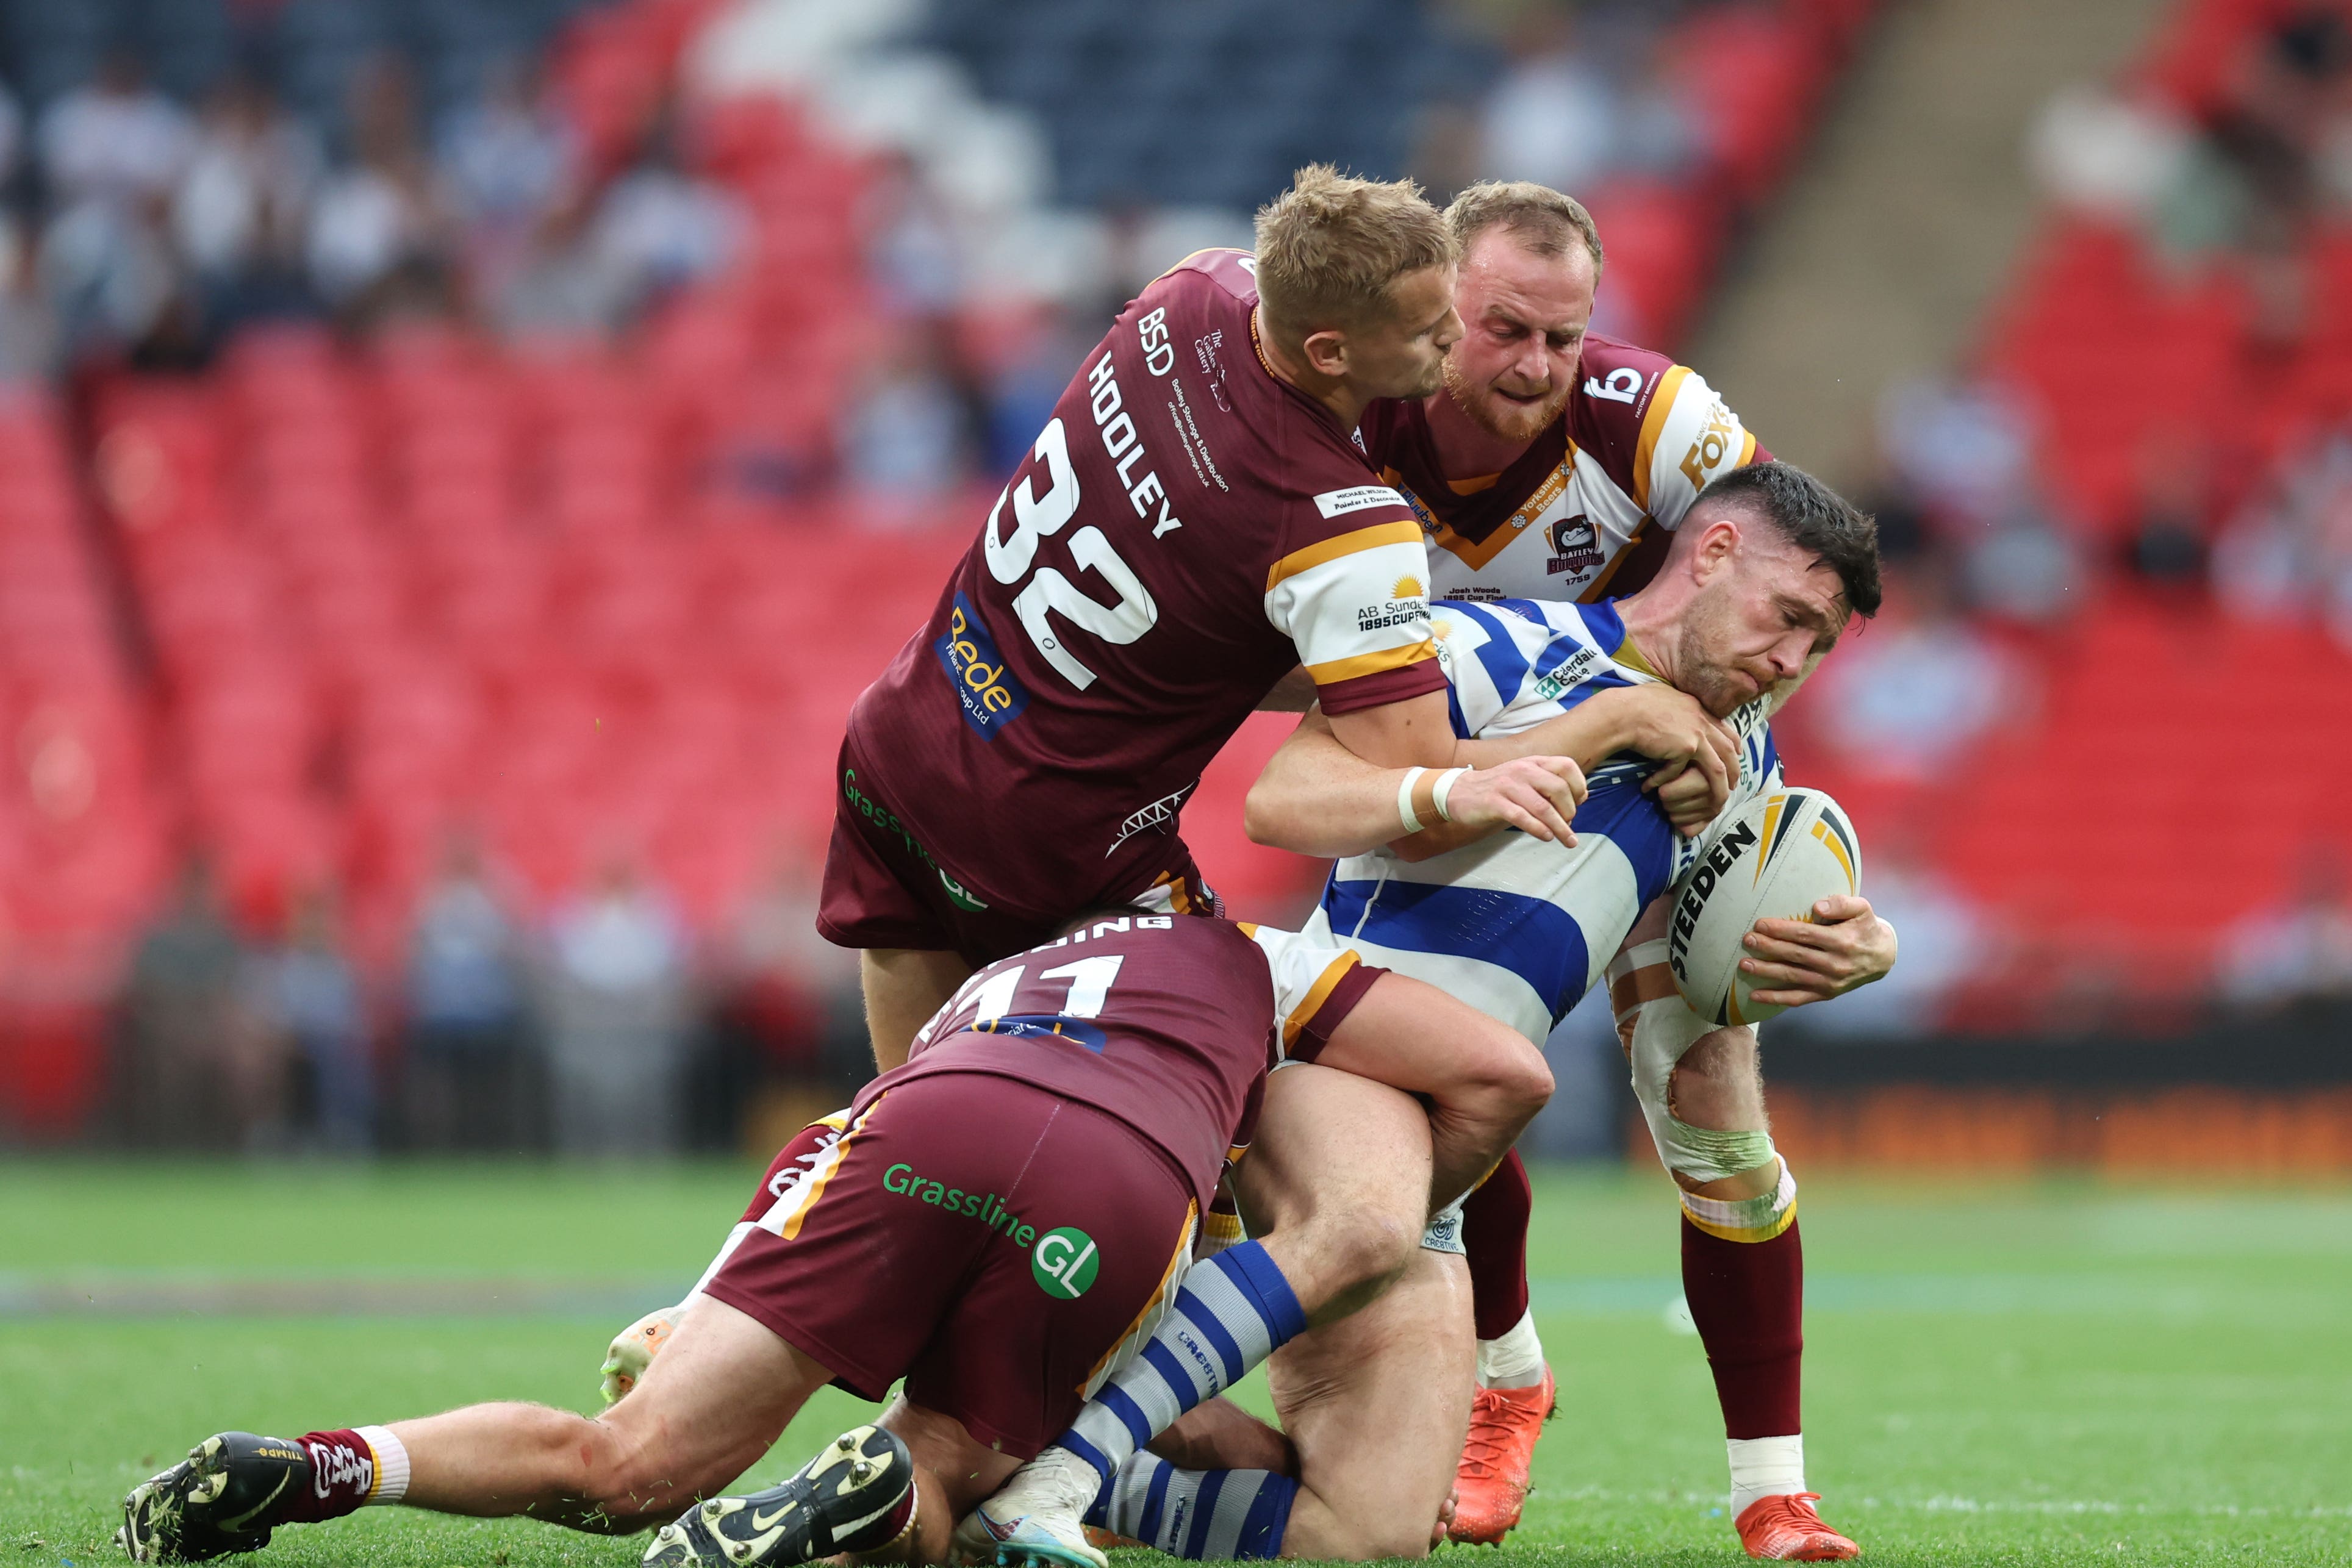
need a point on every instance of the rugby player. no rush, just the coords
(1556, 464)
(1770, 569)
(1002, 1221)
(1767, 569)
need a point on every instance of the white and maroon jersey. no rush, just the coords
(1169, 1023)
(1187, 529)
(1585, 511)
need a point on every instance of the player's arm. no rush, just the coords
(1355, 605)
(1318, 797)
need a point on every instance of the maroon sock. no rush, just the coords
(1747, 1298)
(1495, 1235)
(342, 1477)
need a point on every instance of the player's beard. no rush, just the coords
(1498, 415)
(1700, 670)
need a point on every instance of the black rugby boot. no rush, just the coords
(855, 1496)
(217, 1501)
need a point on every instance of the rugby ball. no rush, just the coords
(1772, 858)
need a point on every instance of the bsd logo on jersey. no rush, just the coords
(990, 694)
(1064, 1262)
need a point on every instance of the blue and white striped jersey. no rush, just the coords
(1516, 926)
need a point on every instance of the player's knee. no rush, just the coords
(1717, 1083)
(1504, 1065)
(1367, 1250)
(1367, 1537)
(626, 1475)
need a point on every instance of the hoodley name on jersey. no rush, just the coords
(1518, 926)
(1583, 513)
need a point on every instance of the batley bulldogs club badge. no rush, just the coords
(1574, 550)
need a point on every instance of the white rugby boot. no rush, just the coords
(1037, 1520)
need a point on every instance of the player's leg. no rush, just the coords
(1482, 1080)
(882, 895)
(1515, 1392)
(1376, 1403)
(1336, 1188)
(904, 986)
(1701, 1092)
(722, 1393)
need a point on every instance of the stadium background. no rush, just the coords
(459, 459)
(462, 459)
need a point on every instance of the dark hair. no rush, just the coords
(1811, 516)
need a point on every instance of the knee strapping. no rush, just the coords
(1656, 1026)
(1758, 1219)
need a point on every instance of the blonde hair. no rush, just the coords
(1330, 247)
(1541, 219)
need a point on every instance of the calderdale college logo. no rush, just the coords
(1064, 1262)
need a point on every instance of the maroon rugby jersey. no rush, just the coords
(1167, 1022)
(1185, 530)
(1585, 510)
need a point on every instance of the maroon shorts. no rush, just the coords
(990, 1243)
(885, 888)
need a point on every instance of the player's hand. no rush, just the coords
(1690, 797)
(1671, 726)
(1845, 945)
(633, 1350)
(1537, 795)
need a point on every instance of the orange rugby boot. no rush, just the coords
(1491, 1487)
(1785, 1528)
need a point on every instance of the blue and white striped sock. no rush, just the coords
(1232, 1312)
(1210, 1516)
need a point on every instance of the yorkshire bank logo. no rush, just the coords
(1064, 1262)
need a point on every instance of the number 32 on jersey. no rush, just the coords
(1012, 556)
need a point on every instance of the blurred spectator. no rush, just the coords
(2289, 552)
(1958, 448)
(1569, 117)
(618, 1017)
(380, 236)
(27, 333)
(2108, 155)
(105, 274)
(659, 228)
(780, 985)
(117, 140)
(468, 1069)
(907, 435)
(513, 162)
(310, 993)
(2167, 542)
(193, 1069)
(242, 211)
(1919, 687)
(596, 267)
(2299, 953)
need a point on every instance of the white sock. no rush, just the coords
(390, 1464)
(1513, 1360)
(1765, 1466)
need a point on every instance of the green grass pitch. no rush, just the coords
(2010, 1373)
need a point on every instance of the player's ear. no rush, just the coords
(1717, 542)
(1327, 352)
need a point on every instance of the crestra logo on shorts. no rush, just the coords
(1064, 1262)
